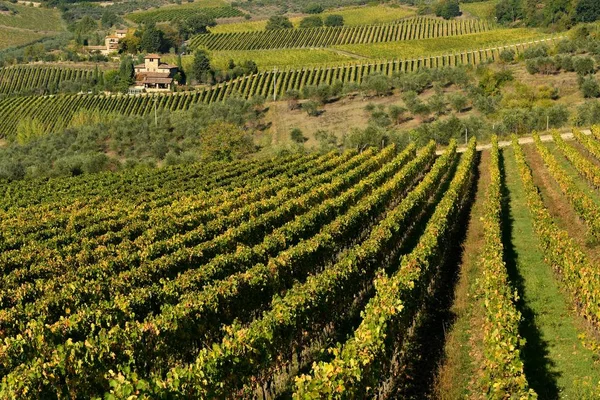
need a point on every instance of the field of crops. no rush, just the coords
(56, 112)
(166, 14)
(114, 294)
(444, 45)
(10, 37)
(23, 24)
(233, 279)
(370, 14)
(24, 78)
(410, 29)
(335, 55)
(267, 59)
(32, 18)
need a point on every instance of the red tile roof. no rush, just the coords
(165, 65)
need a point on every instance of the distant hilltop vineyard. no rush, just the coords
(408, 29)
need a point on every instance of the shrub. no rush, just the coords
(507, 56)
(10, 170)
(588, 113)
(590, 88)
(584, 65)
(566, 46)
(311, 22)
(292, 94)
(458, 101)
(437, 103)
(313, 8)
(334, 20)
(309, 91)
(414, 81)
(397, 113)
(447, 9)
(297, 136)
(532, 66)
(377, 84)
(548, 92)
(566, 63)
(94, 163)
(323, 93)
(278, 22)
(223, 141)
(312, 108)
(536, 51)
(372, 136)
(380, 118)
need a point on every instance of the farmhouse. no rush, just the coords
(154, 76)
(111, 43)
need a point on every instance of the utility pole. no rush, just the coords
(547, 122)
(466, 136)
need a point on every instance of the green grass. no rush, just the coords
(577, 179)
(266, 59)
(444, 45)
(32, 18)
(484, 9)
(352, 16)
(556, 363)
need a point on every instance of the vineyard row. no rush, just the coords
(409, 29)
(24, 78)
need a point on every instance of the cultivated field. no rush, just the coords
(31, 18)
(22, 79)
(233, 280)
(352, 16)
(56, 112)
(409, 29)
(339, 54)
(24, 24)
(345, 246)
(165, 14)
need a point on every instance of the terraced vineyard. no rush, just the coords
(408, 29)
(233, 279)
(167, 14)
(56, 112)
(24, 78)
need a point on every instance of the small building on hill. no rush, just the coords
(153, 75)
(111, 43)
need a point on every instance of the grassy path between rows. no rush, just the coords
(560, 209)
(462, 342)
(556, 363)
